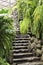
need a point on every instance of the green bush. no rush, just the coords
(24, 27)
(2, 11)
(25, 11)
(6, 35)
(38, 22)
(30, 14)
(3, 62)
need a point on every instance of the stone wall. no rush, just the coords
(6, 3)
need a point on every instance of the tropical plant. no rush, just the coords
(7, 33)
(3, 61)
(38, 22)
(27, 11)
(23, 24)
(2, 11)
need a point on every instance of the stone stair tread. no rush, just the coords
(20, 50)
(20, 54)
(32, 63)
(20, 47)
(27, 58)
(20, 44)
(20, 41)
(27, 32)
(21, 38)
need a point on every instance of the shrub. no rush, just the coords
(3, 62)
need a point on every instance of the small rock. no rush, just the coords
(14, 64)
(33, 45)
(42, 57)
(38, 52)
(36, 40)
(29, 38)
(38, 45)
(29, 46)
(42, 49)
(32, 39)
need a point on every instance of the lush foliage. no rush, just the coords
(2, 11)
(30, 14)
(3, 62)
(6, 36)
(23, 24)
(38, 21)
(25, 10)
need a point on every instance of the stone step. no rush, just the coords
(22, 36)
(22, 44)
(19, 47)
(31, 63)
(27, 59)
(20, 51)
(21, 41)
(21, 55)
(27, 32)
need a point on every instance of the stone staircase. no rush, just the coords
(20, 52)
